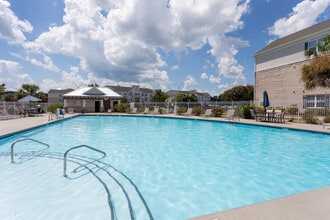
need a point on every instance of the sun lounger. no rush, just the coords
(188, 113)
(156, 110)
(231, 115)
(146, 110)
(133, 111)
(207, 113)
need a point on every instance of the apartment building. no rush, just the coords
(278, 70)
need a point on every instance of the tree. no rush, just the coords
(186, 97)
(30, 89)
(159, 96)
(43, 96)
(2, 89)
(93, 85)
(317, 72)
(238, 93)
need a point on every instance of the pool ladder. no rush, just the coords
(80, 146)
(24, 139)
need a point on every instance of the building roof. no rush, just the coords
(93, 92)
(297, 35)
(60, 90)
(129, 89)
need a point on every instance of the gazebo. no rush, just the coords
(91, 99)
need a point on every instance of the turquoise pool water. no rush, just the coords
(182, 168)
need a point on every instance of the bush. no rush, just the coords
(292, 110)
(326, 119)
(197, 110)
(121, 108)
(52, 108)
(245, 111)
(309, 119)
(181, 110)
(260, 109)
(218, 111)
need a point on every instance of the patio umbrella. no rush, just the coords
(28, 99)
(265, 102)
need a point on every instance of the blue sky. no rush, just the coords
(203, 45)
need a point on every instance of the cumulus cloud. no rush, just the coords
(120, 41)
(204, 76)
(189, 82)
(11, 75)
(11, 27)
(224, 50)
(214, 79)
(175, 67)
(303, 15)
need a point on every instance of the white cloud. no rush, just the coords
(303, 15)
(175, 67)
(214, 79)
(224, 50)
(204, 76)
(119, 41)
(189, 82)
(12, 28)
(10, 74)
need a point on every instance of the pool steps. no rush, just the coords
(123, 196)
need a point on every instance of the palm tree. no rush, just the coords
(317, 73)
(30, 89)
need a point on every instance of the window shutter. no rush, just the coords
(306, 46)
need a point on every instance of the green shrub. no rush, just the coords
(326, 119)
(292, 110)
(197, 110)
(309, 119)
(181, 110)
(218, 111)
(259, 109)
(121, 108)
(245, 111)
(52, 108)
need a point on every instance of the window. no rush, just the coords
(316, 101)
(312, 46)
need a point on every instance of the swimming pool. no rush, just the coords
(169, 168)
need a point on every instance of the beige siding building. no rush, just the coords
(55, 96)
(278, 70)
(91, 99)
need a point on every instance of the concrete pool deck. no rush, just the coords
(311, 205)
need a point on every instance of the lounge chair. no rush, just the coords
(231, 115)
(156, 110)
(188, 113)
(207, 113)
(133, 111)
(146, 110)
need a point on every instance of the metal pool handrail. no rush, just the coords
(79, 146)
(24, 139)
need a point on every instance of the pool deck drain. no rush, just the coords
(311, 205)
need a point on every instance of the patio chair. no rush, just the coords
(277, 116)
(59, 113)
(134, 110)
(207, 113)
(156, 110)
(231, 115)
(188, 113)
(146, 110)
